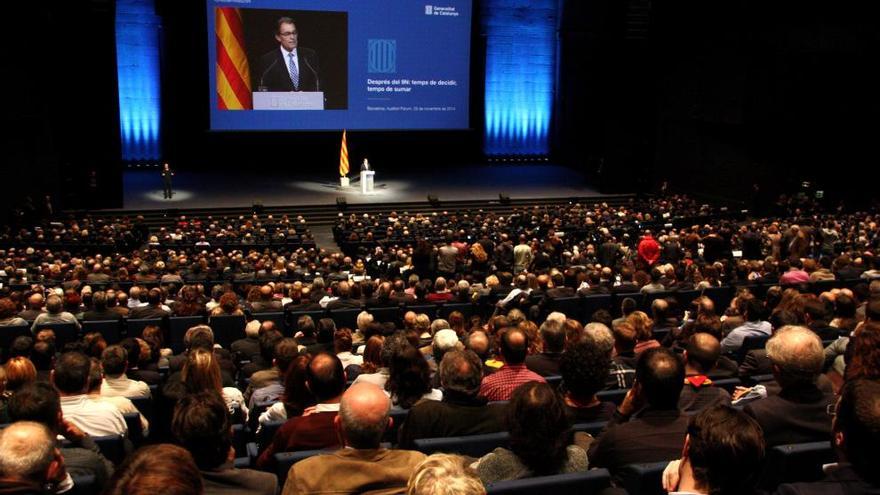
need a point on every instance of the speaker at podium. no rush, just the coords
(368, 176)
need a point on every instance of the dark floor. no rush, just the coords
(143, 189)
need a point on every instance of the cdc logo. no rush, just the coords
(382, 56)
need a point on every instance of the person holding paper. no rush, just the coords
(289, 67)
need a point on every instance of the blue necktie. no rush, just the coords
(294, 74)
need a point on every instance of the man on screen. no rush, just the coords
(290, 67)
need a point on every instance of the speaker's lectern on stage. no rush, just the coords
(367, 177)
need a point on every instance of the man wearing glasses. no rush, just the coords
(290, 67)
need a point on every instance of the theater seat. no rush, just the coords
(135, 429)
(616, 396)
(112, 447)
(592, 428)
(643, 479)
(796, 462)
(470, 445)
(84, 484)
(583, 483)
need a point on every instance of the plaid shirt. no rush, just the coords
(500, 385)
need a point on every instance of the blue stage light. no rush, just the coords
(520, 75)
(137, 65)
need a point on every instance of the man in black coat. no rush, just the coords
(798, 413)
(461, 412)
(647, 426)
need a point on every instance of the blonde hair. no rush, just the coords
(444, 474)
(642, 324)
(201, 372)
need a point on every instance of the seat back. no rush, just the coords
(134, 327)
(466, 309)
(592, 428)
(135, 429)
(345, 318)
(9, 334)
(177, 327)
(227, 328)
(580, 483)
(591, 304)
(616, 396)
(470, 445)
(144, 405)
(643, 479)
(64, 332)
(112, 447)
(796, 462)
(111, 330)
(385, 315)
(569, 306)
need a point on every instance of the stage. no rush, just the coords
(143, 188)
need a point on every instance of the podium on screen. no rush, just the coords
(288, 100)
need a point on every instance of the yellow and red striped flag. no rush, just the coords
(233, 73)
(343, 157)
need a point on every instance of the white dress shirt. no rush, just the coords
(96, 418)
(124, 387)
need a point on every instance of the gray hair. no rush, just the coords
(798, 354)
(601, 335)
(26, 450)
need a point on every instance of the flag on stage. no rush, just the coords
(343, 157)
(233, 73)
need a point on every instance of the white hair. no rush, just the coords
(364, 319)
(26, 450)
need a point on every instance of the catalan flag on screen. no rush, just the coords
(343, 157)
(233, 73)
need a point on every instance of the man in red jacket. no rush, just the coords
(649, 249)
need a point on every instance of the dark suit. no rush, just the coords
(275, 75)
(544, 364)
(455, 415)
(793, 416)
(651, 436)
(841, 481)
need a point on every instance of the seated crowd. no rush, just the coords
(707, 386)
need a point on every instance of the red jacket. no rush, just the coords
(649, 250)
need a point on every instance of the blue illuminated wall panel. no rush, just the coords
(137, 61)
(520, 74)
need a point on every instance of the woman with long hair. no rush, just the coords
(410, 379)
(540, 439)
(201, 372)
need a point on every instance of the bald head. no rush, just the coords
(35, 301)
(478, 342)
(514, 346)
(363, 415)
(27, 452)
(703, 351)
(797, 355)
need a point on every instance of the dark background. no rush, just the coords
(324, 32)
(712, 96)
